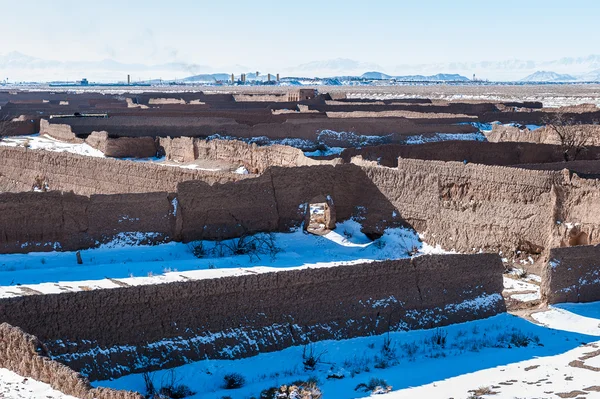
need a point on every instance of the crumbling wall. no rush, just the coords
(277, 200)
(130, 329)
(178, 149)
(66, 221)
(472, 207)
(123, 147)
(25, 355)
(543, 135)
(59, 131)
(572, 274)
(501, 154)
(255, 158)
(20, 167)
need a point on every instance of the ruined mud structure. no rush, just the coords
(193, 166)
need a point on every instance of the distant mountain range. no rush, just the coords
(20, 67)
(440, 77)
(548, 76)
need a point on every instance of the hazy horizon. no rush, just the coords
(393, 37)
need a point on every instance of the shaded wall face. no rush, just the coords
(572, 274)
(472, 207)
(65, 221)
(171, 324)
(25, 355)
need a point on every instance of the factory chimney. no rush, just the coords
(268, 77)
(128, 80)
(278, 77)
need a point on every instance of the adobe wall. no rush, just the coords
(472, 207)
(25, 355)
(138, 125)
(65, 221)
(83, 175)
(255, 158)
(120, 147)
(543, 135)
(59, 131)
(131, 329)
(123, 147)
(572, 274)
(501, 154)
(276, 200)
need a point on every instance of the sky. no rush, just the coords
(280, 34)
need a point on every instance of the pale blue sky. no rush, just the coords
(276, 34)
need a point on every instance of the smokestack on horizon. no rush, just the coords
(128, 80)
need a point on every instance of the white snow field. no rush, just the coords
(522, 357)
(45, 142)
(13, 386)
(122, 262)
(505, 355)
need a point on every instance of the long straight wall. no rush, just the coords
(106, 333)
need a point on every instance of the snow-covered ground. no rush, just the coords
(550, 101)
(13, 386)
(45, 142)
(123, 263)
(505, 354)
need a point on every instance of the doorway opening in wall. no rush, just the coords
(578, 238)
(320, 215)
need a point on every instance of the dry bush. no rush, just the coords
(375, 386)
(310, 358)
(296, 390)
(234, 381)
(574, 137)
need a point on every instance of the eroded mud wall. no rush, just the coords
(106, 333)
(255, 158)
(500, 154)
(472, 207)
(572, 274)
(20, 168)
(276, 201)
(25, 355)
(65, 221)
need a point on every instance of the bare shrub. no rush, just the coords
(170, 387)
(296, 390)
(197, 249)
(252, 245)
(310, 358)
(574, 137)
(375, 386)
(439, 338)
(234, 381)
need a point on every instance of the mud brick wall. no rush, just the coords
(500, 154)
(19, 168)
(134, 328)
(276, 201)
(255, 158)
(55, 220)
(25, 355)
(204, 126)
(472, 207)
(572, 274)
